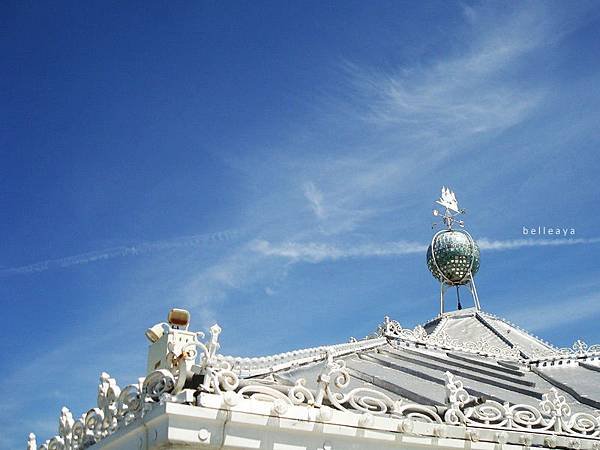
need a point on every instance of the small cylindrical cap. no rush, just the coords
(179, 317)
(155, 333)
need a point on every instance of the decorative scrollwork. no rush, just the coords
(336, 378)
(300, 394)
(94, 419)
(370, 401)
(130, 403)
(65, 427)
(417, 412)
(488, 413)
(117, 407)
(264, 393)
(79, 435)
(455, 392)
(583, 424)
(536, 353)
(108, 392)
(553, 414)
(456, 397)
(392, 329)
(554, 404)
(157, 383)
(56, 443)
(579, 348)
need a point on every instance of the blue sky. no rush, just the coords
(273, 167)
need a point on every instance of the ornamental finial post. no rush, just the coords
(31, 442)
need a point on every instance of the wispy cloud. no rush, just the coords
(119, 252)
(315, 199)
(468, 92)
(420, 117)
(317, 252)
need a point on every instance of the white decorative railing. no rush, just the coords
(392, 329)
(553, 415)
(518, 328)
(579, 350)
(262, 364)
(117, 408)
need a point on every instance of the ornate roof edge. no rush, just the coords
(517, 327)
(118, 408)
(392, 329)
(197, 368)
(579, 351)
(249, 367)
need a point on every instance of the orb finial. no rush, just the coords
(453, 256)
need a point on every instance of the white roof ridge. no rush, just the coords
(252, 366)
(517, 327)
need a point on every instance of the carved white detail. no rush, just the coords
(332, 384)
(462, 409)
(553, 414)
(392, 329)
(117, 408)
(580, 349)
(31, 443)
(281, 361)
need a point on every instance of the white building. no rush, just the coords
(464, 380)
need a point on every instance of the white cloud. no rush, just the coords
(315, 199)
(470, 91)
(400, 126)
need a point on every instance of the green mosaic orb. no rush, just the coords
(455, 252)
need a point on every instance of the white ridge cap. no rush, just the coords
(265, 364)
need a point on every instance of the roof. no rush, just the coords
(494, 359)
(466, 368)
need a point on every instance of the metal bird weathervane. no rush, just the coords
(453, 255)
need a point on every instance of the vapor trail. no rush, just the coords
(316, 252)
(118, 252)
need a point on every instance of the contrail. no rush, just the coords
(486, 244)
(120, 251)
(316, 252)
(307, 251)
